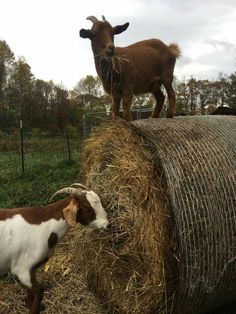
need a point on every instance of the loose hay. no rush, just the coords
(124, 264)
(169, 187)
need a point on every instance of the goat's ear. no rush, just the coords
(70, 212)
(120, 28)
(86, 33)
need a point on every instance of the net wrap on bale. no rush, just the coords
(170, 186)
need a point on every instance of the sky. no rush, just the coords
(46, 34)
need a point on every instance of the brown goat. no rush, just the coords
(136, 69)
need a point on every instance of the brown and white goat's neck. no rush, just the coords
(37, 214)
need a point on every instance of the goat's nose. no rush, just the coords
(111, 49)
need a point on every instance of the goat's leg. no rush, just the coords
(160, 98)
(171, 98)
(25, 278)
(115, 106)
(126, 103)
(29, 298)
(37, 292)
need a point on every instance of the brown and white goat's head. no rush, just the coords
(85, 207)
(102, 35)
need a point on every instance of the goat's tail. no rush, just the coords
(175, 50)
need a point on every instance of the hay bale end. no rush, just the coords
(169, 188)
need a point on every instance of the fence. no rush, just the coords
(92, 119)
(25, 151)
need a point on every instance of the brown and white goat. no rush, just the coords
(28, 235)
(142, 67)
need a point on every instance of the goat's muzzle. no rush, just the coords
(110, 50)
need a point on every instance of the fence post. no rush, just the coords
(68, 147)
(22, 146)
(84, 126)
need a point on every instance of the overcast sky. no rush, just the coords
(46, 33)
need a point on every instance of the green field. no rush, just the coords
(49, 163)
(41, 179)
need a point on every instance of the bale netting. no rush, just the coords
(169, 187)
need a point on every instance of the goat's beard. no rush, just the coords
(109, 69)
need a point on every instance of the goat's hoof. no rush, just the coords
(169, 115)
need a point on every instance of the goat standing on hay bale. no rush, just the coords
(136, 69)
(28, 235)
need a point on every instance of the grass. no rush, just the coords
(40, 181)
(47, 167)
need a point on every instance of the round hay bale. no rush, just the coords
(169, 189)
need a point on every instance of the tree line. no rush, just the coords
(51, 107)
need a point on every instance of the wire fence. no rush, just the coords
(26, 151)
(92, 119)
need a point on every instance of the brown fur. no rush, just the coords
(52, 240)
(142, 67)
(39, 214)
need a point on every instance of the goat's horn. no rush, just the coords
(103, 18)
(92, 19)
(79, 185)
(69, 190)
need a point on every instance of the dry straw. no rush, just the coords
(128, 266)
(169, 188)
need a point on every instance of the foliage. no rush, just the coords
(202, 96)
(232, 90)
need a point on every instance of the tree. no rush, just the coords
(88, 93)
(143, 101)
(89, 85)
(182, 96)
(231, 93)
(223, 88)
(20, 91)
(62, 105)
(42, 94)
(6, 62)
(193, 94)
(204, 89)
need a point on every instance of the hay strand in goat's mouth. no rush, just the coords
(125, 263)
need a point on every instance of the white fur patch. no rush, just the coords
(24, 245)
(101, 220)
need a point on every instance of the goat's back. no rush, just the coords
(154, 47)
(144, 63)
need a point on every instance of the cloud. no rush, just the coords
(46, 33)
(222, 44)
